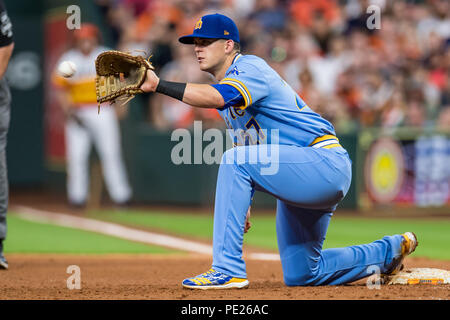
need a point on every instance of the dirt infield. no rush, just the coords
(159, 277)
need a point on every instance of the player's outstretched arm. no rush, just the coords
(203, 96)
(196, 95)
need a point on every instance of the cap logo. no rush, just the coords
(198, 25)
(225, 33)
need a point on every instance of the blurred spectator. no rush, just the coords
(393, 113)
(308, 91)
(415, 114)
(325, 69)
(443, 121)
(304, 11)
(436, 18)
(269, 14)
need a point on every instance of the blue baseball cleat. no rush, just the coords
(213, 279)
(409, 244)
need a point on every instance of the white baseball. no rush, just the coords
(67, 69)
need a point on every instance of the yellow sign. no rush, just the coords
(384, 170)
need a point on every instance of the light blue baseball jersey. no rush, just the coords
(259, 100)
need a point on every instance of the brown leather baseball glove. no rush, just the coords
(119, 76)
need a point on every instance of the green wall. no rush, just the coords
(25, 75)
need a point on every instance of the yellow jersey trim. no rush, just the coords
(300, 109)
(246, 94)
(322, 138)
(241, 91)
(334, 145)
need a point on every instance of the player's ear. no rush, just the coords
(229, 46)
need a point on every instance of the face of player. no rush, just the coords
(86, 45)
(211, 53)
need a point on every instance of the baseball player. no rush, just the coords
(85, 126)
(6, 48)
(313, 170)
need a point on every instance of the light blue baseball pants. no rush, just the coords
(308, 183)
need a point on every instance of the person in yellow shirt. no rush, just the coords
(84, 126)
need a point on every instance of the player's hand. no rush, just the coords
(151, 82)
(248, 224)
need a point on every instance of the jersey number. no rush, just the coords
(247, 136)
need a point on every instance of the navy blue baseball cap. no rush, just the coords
(213, 26)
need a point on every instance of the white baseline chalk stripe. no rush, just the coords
(123, 232)
(112, 229)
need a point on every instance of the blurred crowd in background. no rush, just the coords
(354, 75)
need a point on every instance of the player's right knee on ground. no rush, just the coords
(300, 279)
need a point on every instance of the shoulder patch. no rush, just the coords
(234, 71)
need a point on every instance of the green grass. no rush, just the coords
(433, 234)
(31, 237)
